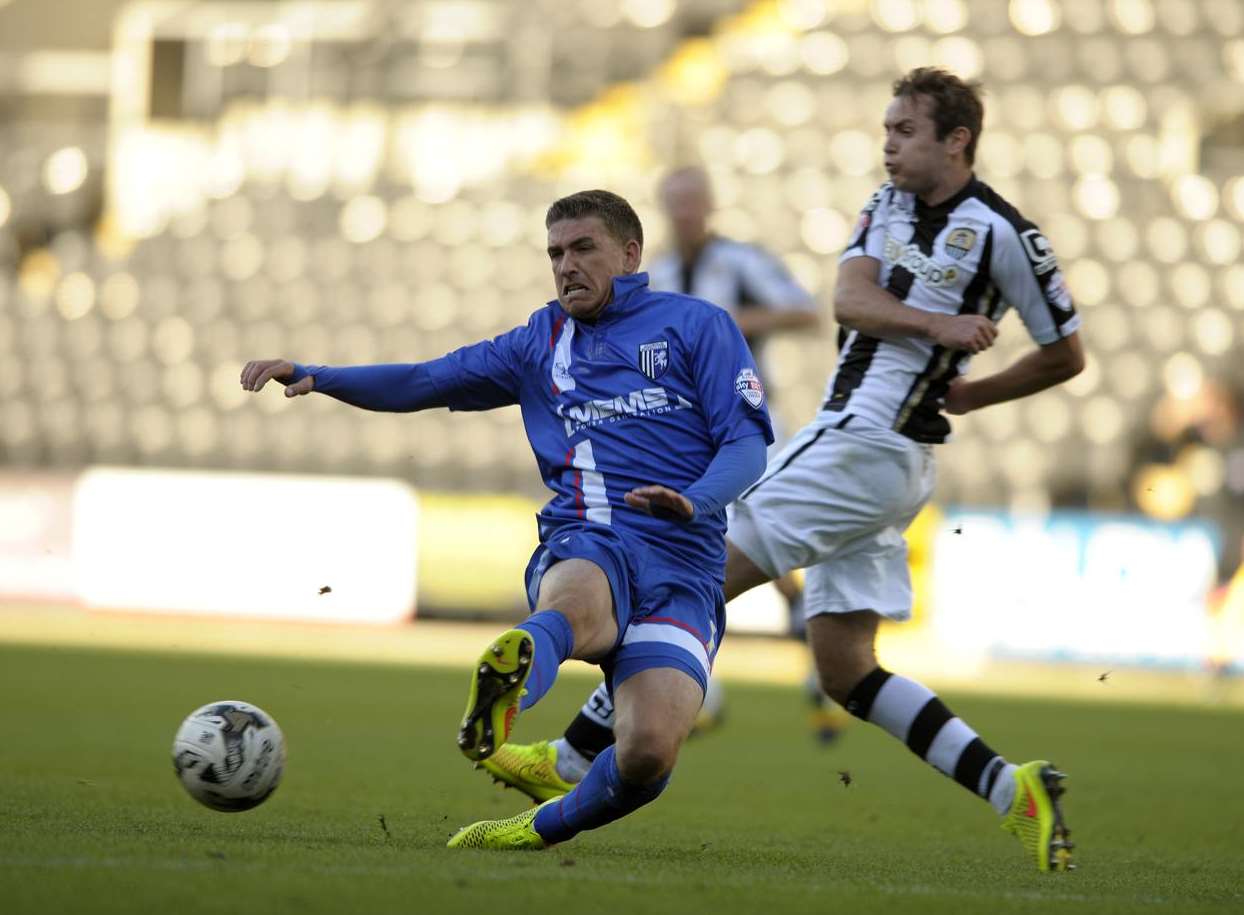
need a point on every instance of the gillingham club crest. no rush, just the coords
(654, 358)
(748, 386)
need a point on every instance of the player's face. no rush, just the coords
(915, 159)
(687, 203)
(585, 258)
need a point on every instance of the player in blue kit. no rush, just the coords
(647, 417)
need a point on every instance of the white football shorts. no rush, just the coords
(836, 501)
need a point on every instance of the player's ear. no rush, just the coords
(632, 254)
(957, 140)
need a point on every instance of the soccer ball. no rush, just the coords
(229, 755)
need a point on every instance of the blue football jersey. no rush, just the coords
(645, 394)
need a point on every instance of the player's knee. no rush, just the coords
(647, 755)
(842, 645)
(832, 684)
(839, 674)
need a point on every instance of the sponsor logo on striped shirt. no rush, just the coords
(911, 258)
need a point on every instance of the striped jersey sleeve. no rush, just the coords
(868, 236)
(1028, 278)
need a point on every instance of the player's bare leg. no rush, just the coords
(580, 591)
(741, 573)
(655, 712)
(1026, 796)
(656, 709)
(827, 718)
(843, 650)
(788, 586)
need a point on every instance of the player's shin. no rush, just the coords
(914, 715)
(602, 797)
(554, 642)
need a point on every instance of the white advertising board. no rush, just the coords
(253, 545)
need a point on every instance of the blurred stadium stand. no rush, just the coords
(351, 182)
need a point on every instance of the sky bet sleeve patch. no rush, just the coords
(747, 385)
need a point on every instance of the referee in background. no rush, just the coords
(744, 279)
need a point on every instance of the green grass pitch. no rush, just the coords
(755, 821)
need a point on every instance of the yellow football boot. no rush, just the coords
(531, 768)
(516, 833)
(1036, 819)
(496, 688)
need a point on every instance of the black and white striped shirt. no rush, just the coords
(972, 254)
(732, 275)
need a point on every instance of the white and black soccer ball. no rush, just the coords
(229, 755)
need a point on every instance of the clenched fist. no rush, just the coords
(661, 502)
(973, 333)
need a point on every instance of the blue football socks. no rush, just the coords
(602, 797)
(554, 642)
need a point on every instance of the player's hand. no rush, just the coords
(958, 398)
(661, 502)
(973, 333)
(257, 373)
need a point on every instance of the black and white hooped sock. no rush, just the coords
(914, 715)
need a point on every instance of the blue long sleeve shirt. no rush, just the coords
(651, 392)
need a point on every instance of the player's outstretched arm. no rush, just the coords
(1037, 370)
(392, 388)
(861, 304)
(481, 376)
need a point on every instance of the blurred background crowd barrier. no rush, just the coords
(187, 185)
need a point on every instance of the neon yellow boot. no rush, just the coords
(496, 688)
(516, 833)
(531, 768)
(1036, 819)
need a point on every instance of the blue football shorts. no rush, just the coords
(668, 614)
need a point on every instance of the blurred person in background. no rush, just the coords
(1189, 462)
(1226, 624)
(646, 416)
(934, 261)
(746, 280)
(762, 297)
